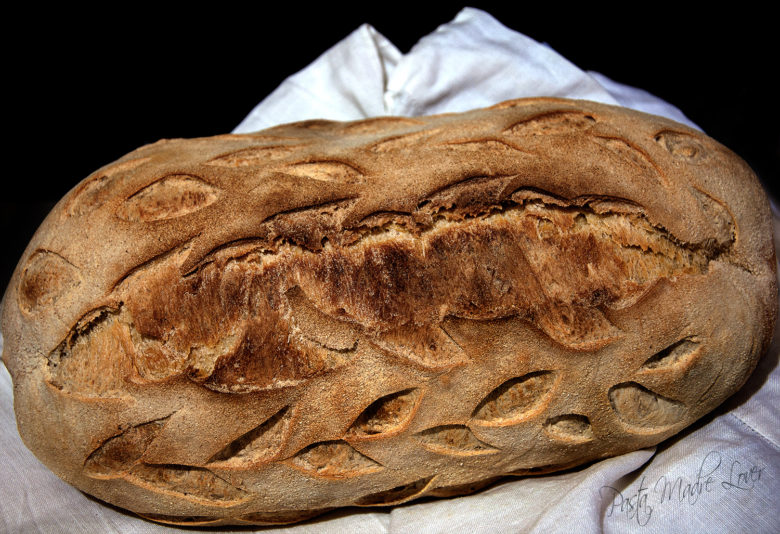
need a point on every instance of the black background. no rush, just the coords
(84, 88)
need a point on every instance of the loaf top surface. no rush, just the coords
(255, 328)
(317, 182)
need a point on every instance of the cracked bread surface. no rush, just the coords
(254, 329)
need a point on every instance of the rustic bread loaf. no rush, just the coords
(257, 328)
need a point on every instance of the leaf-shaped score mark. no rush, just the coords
(258, 445)
(491, 147)
(380, 125)
(326, 171)
(172, 196)
(682, 146)
(429, 346)
(334, 459)
(455, 440)
(397, 495)
(388, 414)
(577, 327)
(573, 428)
(625, 150)
(638, 406)
(319, 327)
(280, 517)
(471, 191)
(46, 278)
(182, 520)
(254, 157)
(553, 123)
(191, 483)
(94, 192)
(677, 355)
(403, 141)
(515, 399)
(118, 454)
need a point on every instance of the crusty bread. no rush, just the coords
(257, 328)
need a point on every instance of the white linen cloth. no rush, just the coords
(721, 475)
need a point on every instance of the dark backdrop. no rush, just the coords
(87, 87)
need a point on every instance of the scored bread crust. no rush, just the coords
(256, 328)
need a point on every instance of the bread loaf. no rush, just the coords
(252, 329)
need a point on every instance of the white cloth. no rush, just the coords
(721, 475)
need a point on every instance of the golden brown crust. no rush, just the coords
(366, 313)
